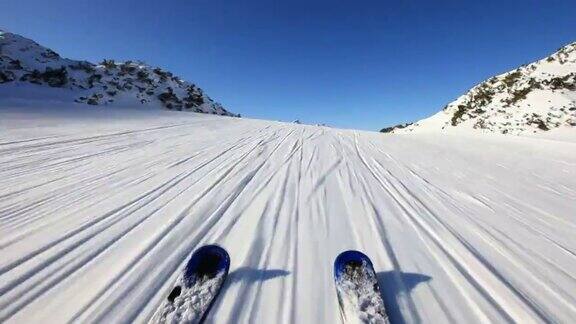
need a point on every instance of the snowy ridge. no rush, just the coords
(30, 71)
(100, 211)
(534, 98)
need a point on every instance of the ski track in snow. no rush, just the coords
(99, 214)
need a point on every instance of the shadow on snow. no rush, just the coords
(395, 287)
(247, 276)
(251, 275)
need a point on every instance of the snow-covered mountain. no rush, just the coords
(29, 70)
(532, 98)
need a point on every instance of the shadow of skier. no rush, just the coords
(246, 277)
(250, 275)
(395, 287)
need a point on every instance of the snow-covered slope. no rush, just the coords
(101, 209)
(534, 98)
(29, 71)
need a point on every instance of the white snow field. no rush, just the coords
(100, 211)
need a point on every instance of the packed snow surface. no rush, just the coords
(100, 210)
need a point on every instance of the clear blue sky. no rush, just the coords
(355, 64)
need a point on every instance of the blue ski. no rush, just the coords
(358, 290)
(197, 289)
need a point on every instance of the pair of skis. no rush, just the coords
(197, 289)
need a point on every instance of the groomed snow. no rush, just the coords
(100, 210)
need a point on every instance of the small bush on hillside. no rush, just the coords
(480, 123)
(33, 77)
(521, 94)
(482, 97)
(511, 78)
(566, 82)
(83, 66)
(389, 129)
(15, 65)
(142, 75)
(163, 75)
(7, 76)
(93, 79)
(535, 119)
(94, 99)
(127, 68)
(55, 77)
(170, 100)
(50, 54)
(108, 64)
(194, 98)
(458, 115)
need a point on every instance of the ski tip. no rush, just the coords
(208, 260)
(347, 257)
